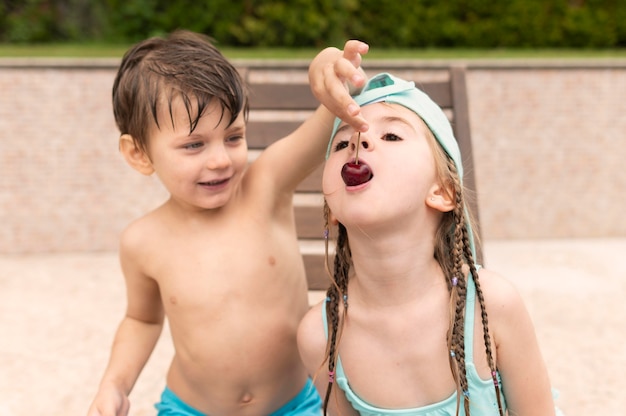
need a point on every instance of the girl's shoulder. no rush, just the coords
(495, 283)
(311, 327)
(496, 287)
(505, 305)
(312, 337)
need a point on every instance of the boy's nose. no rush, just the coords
(218, 158)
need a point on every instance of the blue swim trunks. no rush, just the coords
(306, 403)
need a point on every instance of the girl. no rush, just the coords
(410, 325)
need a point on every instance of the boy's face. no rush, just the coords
(201, 170)
(398, 153)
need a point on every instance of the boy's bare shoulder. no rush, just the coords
(140, 232)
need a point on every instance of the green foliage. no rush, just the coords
(40, 21)
(316, 23)
(32, 22)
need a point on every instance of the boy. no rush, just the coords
(220, 257)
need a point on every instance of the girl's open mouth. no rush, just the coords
(356, 173)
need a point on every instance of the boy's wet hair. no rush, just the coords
(185, 66)
(454, 240)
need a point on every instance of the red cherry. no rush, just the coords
(354, 174)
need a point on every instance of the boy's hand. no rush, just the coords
(109, 402)
(335, 74)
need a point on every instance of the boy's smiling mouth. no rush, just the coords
(216, 182)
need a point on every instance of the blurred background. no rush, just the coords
(546, 81)
(317, 23)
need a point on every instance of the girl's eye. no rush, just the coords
(342, 144)
(390, 137)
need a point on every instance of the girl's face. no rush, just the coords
(203, 169)
(396, 149)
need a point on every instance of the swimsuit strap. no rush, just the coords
(468, 332)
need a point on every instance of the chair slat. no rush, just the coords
(281, 96)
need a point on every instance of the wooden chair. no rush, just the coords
(284, 99)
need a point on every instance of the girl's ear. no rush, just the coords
(441, 198)
(134, 156)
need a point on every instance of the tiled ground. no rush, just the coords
(58, 314)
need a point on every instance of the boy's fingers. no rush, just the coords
(339, 101)
(348, 73)
(332, 82)
(350, 112)
(353, 49)
(354, 46)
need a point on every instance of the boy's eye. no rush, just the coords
(234, 139)
(342, 144)
(191, 146)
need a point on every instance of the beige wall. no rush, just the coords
(548, 139)
(550, 147)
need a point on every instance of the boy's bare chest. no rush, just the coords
(242, 261)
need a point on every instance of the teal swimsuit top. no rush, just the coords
(482, 394)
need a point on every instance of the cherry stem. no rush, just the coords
(358, 144)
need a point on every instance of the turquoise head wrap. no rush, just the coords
(390, 89)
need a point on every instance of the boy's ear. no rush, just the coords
(134, 156)
(441, 198)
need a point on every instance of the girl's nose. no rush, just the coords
(360, 140)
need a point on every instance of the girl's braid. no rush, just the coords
(483, 314)
(464, 244)
(336, 292)
(458, 284)
(333, 324)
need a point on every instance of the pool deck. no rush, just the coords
(58, 314)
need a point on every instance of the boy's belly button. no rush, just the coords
(246, 398)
